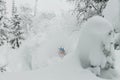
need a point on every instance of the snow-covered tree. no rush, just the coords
(14, 29)
(26, 16)
(95, 47)
(2, 7)
(16, 32)
(3, 19)
(85, 9)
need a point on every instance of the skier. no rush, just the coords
(61, 52)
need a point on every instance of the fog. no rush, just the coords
(42, 5)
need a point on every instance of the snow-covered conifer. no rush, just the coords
(85, 9)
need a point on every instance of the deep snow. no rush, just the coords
(39, 51)
(70, 67)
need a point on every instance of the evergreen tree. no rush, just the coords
(16, 32)
(3, 35)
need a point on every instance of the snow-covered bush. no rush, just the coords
(95, 47)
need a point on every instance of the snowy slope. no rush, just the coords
(70, 68)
